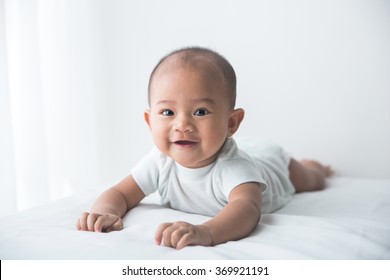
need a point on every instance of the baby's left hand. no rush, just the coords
(181, 234)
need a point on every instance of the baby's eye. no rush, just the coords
(167, 113)
(201, 112)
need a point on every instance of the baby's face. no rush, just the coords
(188, 116)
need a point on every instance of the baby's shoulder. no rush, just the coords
(231, 153)
(234, 160)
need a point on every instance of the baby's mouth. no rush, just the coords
(185, 143)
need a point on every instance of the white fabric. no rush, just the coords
(348, 220)
(206, 190)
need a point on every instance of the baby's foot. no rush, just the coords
(326, 170)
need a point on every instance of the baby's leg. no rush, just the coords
(308, 175)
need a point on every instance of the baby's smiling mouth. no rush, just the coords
(185, 143)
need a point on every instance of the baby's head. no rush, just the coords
(192, 96)
(213, 66)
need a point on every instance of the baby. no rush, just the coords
(196, 165)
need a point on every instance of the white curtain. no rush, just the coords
(48, 110)
(7, 178)
(68, 112)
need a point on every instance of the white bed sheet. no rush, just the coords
(350, 219)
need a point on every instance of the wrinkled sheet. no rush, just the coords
(350, 219)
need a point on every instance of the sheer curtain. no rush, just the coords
(67, 102)
(48, 107)
(7, 178)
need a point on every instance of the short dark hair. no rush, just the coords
(202, 58)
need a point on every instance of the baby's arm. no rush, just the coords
(237, 220)
(107, 212)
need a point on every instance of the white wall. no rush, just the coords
(312, 75)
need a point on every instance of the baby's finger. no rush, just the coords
(185, 240)
(166, 239)
(159, 233)
(177, 236)
(78, 224)
(91, 221)
(101, 223)
(117, 225)
(82, 222)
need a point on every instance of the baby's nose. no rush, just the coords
(183, 124)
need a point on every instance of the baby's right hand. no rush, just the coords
(99, 222)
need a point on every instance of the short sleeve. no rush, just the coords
(233, 173)
(146, 172)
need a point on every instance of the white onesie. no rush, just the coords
(206, 190)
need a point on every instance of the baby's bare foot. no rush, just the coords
(326, 170)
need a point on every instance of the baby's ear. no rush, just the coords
(235, 120)
(147, 117)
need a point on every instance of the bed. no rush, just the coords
(350, 219)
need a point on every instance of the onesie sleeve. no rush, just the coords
(146, 172)
(233, 173)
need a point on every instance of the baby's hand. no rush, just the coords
(181, 234)
(99, 222)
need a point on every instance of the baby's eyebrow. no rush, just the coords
(205, 100)
(165, 102)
